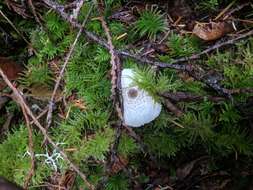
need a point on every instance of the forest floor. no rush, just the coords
(68, 120)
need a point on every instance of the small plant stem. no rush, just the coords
(31, 150)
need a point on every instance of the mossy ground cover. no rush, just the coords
(210, 144)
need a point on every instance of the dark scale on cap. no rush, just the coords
(132, 93)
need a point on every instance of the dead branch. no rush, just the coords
(22, 102)
(15, 28)
(137, 138)
(189, 97)
(40, 115)
(30, 3)
(238, 8)
(171, 107)
(76, 10)
(240, 90)
(31, 150)
(52, 100)
(174, 64)
(115, 73)
(115, 93)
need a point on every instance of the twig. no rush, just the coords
(115, 92)
(187, 67)
(31, 150)
(138, 140)
(115, 147)
(236, 9)
(115, 73)
(32, 169)
(225, 10)
(21, 101)
(51, 102)
(245, 21)
(117, 98)
(171, 107)
(174, 64)
(30, 3)
(78, 6)
(40, 115)
(240, 90)
(14, 27)
(188, 97)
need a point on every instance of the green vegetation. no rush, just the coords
(150, 23)
(219, 130)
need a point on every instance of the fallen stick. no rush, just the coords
(23, 104)
(174, 64)
(58, 80)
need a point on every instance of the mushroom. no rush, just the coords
(139, 107)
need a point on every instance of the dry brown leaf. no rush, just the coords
(212, 30)
(120, 163)
(10, 68)
(40, 92)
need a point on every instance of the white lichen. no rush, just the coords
(52, 160)
(139, 107)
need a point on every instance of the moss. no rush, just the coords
(216, 129)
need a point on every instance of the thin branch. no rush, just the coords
(238, 8)
(40, 115)
(115, 73)
(138, 140)
(173, 108)
(174, 64)
(115, 92)
(14, 27)
(30, 3)
(76, 10)
(225, 10)
(22, 102)
(240, 90)
(189, 97)
(31, 150)
(52, 100)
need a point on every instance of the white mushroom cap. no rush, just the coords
(139, 107)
